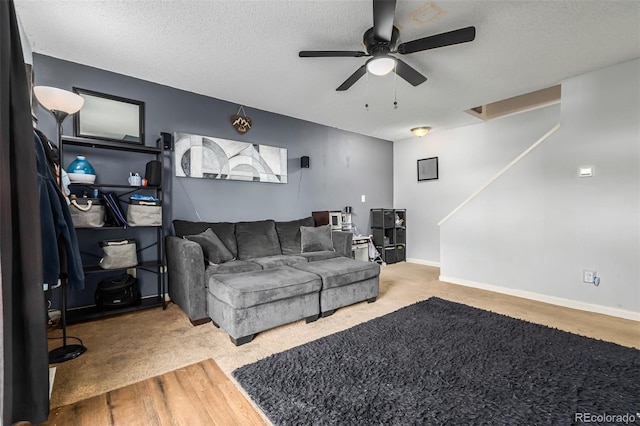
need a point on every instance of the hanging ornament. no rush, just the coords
(241, 123)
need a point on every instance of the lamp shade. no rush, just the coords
(54, 99)
(381, 65)
(420, 131)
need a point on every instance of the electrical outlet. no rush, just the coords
(132, 272)
(588, 275)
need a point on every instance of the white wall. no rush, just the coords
(467, 158)
(27, 53)
(536, 228)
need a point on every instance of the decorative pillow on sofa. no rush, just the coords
(289, 234)
(226, 231)
(316, 238)
(214, 250)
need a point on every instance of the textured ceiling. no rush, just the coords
(246, 52)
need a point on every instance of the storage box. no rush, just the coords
(144, 213)
(390, 255)
(378, 236)
(400, 254)
(87, 212)
(382, 218)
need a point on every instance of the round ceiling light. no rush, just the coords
(381, 65)
(420, 131)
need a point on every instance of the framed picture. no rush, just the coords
(108, 117)
(209, 157)
(428, 168)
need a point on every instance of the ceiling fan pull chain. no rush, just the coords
(366, 81)
(395, 86)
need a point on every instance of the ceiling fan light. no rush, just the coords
(381, 65)
(420, 131)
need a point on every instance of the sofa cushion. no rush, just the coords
(257, 239)
(320, 255)
(278, 260)
(256, 288)
(213, 249)
(316, 238)
(289, 234)
(340, 271)
(224, 230)
(232, 267)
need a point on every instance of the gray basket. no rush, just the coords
(118, 254)
(144, 213)
(87, 212)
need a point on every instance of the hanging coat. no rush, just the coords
(57, 228)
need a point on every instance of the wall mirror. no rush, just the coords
(109, 117)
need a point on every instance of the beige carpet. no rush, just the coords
(129, 348)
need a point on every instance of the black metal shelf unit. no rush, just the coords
(157, 265)
(389, 229)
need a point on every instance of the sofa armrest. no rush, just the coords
(187, 288)
(342, 242)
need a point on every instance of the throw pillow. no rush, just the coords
(316, 238)
(224, 230)
(214, 250)
(289, 234)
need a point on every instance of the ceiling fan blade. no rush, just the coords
(383, 14)
(461, 35)
(407, 72)
(353, 78)
(331, 54)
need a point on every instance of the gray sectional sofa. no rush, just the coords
(252, 276)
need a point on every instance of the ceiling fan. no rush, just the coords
(380, 41)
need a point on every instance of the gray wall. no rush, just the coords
(344, 165)
(537, 227)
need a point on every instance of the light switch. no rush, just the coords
(363, 198)
(585, 171)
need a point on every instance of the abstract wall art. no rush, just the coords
(209, 157)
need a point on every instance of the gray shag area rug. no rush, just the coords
(439, 362)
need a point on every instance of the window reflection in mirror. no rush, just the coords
(109, 117)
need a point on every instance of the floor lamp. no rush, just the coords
(61, 103)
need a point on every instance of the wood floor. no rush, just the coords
(199, 394)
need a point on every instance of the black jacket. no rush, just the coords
(56, 228)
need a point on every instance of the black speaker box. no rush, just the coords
(167, 140)
(153, 173)
(304, 162)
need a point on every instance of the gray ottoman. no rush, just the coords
(243, 304)
(344, 282)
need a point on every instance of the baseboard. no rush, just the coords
(423, 262)
(553, 300)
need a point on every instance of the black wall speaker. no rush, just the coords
(167, 140)
(304, 162)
